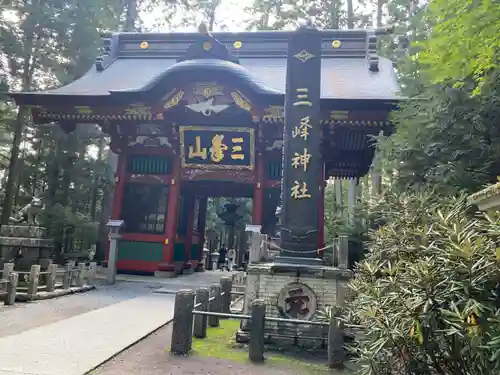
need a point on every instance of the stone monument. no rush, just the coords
(298, 283)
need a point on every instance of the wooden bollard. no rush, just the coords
(80, 278)
(257, 325)
(8, 268)
(200, 321)
(67, 275)
(182, 327)
(33, 281)
(214, 305)
(12, 288)
(51, 277)
(226, 285)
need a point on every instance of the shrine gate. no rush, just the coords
(193, 116)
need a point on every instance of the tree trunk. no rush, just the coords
(350, 15)
(10, 186)
(28, 68)
(380, 7)
(335, 14)
(131, 15)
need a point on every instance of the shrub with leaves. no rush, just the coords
(427, 290)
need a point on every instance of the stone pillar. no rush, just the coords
(257, 324)
(182, 327)
(302, 149)
(200, 321)
(255, 239)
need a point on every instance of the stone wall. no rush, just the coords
(266, 281)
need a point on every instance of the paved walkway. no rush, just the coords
(78, 344)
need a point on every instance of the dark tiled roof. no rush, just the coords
(351, 71)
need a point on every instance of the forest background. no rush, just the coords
(445, 54)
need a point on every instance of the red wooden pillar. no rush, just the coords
(321, 210)
(119, 188)
(188, 242)
(174, 197)
(258, 195)
(203, 221)
(118, 191)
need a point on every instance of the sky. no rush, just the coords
(229, 14)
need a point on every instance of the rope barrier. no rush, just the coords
(317, 251)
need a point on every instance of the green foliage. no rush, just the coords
(427, 291)
(464, 41)
(63, 225)
(447, 139)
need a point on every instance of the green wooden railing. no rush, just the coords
(148, 164)
(274, 170)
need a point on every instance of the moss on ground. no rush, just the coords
(220, 343)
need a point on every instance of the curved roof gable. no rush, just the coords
(141, 64)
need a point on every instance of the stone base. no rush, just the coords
(23, 297)
(166, 274)
(25, 231)
(281, 286)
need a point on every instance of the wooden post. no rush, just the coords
(67, 275)
(11, 288)
(214, 306)
(51, 277)
(226, 285)
(80, 278)
(200, 321)
(257, 325)
(33, 281)
(182, 328)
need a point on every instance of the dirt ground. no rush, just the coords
(148, 357)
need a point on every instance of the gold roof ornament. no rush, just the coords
(336, 44)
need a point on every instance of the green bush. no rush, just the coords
(61, 222)
(427, 290)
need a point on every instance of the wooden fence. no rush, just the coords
(16, 283)
(195, 311)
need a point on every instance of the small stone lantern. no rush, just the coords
(114, 235)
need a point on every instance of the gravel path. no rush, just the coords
(148, 357)
(24, 316)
